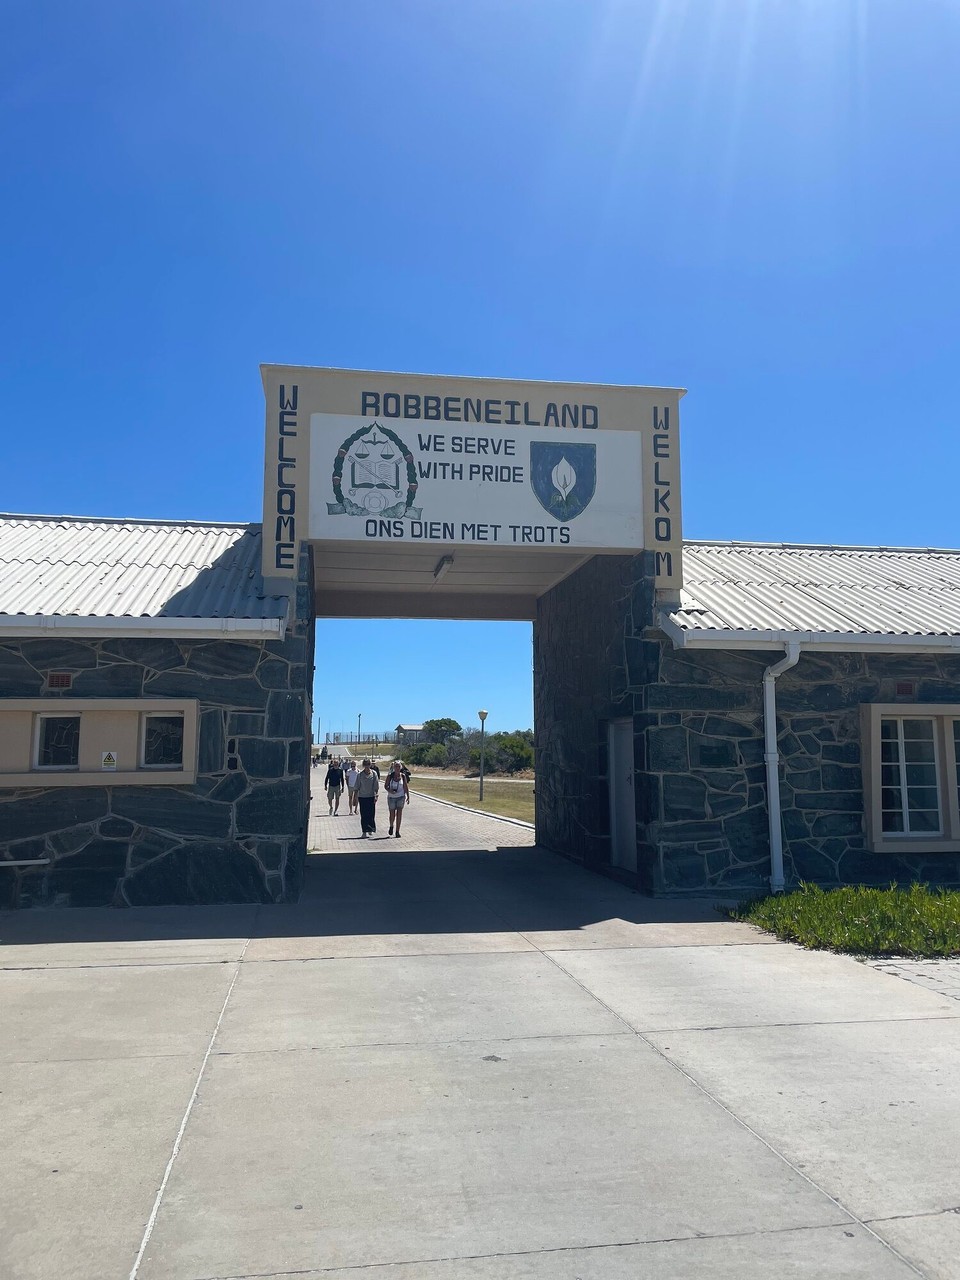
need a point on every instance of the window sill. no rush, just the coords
(914, 846)
(45, 778)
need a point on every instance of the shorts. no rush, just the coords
(396, 802)
(334, 793)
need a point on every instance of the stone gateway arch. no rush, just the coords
(711, 717)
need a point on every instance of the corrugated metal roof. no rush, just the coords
(873, 591)
(67, 566)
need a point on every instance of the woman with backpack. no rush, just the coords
(398, 793)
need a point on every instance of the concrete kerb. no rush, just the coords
(481, 813)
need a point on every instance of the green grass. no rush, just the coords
(917, 921)
(508, 799)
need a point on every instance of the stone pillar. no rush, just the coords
(592, 661)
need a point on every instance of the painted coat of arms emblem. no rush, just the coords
(563, 477)
(374, 475)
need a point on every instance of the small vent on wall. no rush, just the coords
(59, 679)
(906, 688)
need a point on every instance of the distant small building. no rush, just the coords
(409, 733)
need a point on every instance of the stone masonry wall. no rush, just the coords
(237, 835)
(706, 757)
(698, 745)
(589, 661)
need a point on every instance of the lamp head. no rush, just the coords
(482, 715)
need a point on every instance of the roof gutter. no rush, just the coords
(839, 641)
(25, 626)
(771, 758)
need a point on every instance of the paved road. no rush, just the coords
(426, 825)
(459, 1056)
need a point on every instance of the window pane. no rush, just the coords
(890, 774)
(922, 798)
(888, 730)
(921, 775)
(892, 821)
(163, 741)
(924, 822)
(918, 730)
(59, 742)
(889, 752)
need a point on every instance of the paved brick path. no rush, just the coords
(939, 976)
(426, 825)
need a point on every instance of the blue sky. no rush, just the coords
(754, 199)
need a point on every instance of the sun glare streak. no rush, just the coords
(730, 153)
(573, 134)
(668, 17)
(861, 97)
(675, 10)
(690, 179)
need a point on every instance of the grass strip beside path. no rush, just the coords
(508, 799)
(916, 921)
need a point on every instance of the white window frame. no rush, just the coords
(947, 840)
(142, 743)
(62, 713)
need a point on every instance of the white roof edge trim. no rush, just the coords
(736, 545)
(466, 377)
(161, 521)
(850, 642)
(27, 625)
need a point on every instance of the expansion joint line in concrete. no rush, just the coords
(109, 964)
(701, 1088)
(340, 1268)
(152, 1220)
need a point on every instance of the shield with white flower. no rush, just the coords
(563, 477)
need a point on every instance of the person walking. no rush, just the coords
(368, 788)
(351, 775)
(398, 795)
(334, 785)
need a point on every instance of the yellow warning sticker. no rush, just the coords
(108, 760)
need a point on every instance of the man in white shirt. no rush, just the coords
(352, 776)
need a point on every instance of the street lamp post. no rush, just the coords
(483, 716)
(359, 714)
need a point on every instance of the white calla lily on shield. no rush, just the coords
(564, 478)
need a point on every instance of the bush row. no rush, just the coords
(504, 752)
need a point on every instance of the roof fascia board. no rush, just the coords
(852, 642)
(25, 626)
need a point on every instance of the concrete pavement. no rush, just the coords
(460, 1056)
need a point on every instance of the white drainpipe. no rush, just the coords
(771, 757)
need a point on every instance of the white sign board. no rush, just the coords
(543, 465)
(108, 761)
(375, 480)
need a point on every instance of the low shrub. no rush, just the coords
(913, 921)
